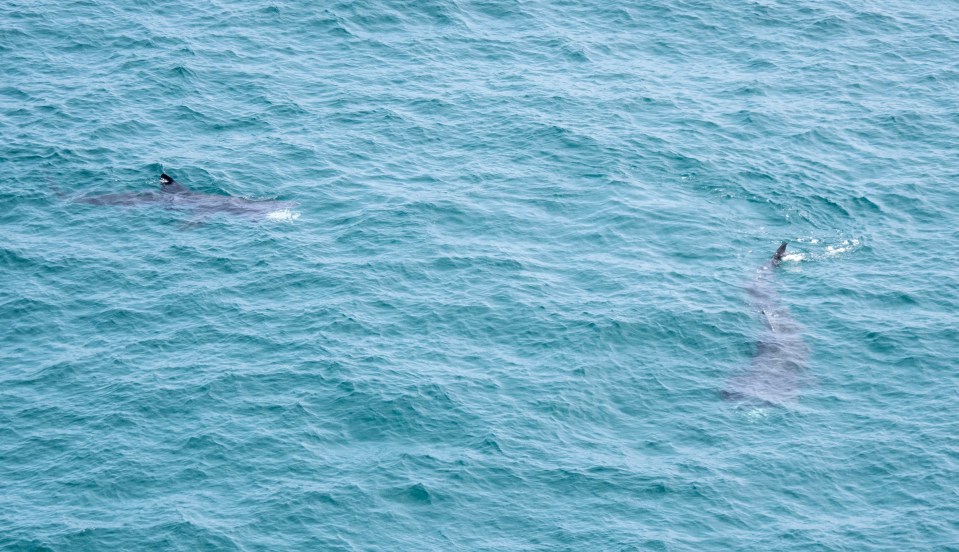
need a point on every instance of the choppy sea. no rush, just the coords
(513, 289)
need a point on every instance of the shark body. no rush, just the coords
(173, 195)
(777, 368)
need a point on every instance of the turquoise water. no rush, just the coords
(504, 311)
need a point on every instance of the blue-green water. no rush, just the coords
(515, 286)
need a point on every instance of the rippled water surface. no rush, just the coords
(514, 304)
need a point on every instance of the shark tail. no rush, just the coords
(56, 189)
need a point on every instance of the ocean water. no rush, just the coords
(504, 311)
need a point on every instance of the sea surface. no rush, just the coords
(513, 291)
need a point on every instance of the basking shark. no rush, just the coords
(777, 369)
(173, 195)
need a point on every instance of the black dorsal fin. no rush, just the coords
(778, 255)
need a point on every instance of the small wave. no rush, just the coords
(283, 215)
(821, 249)
(844, 247)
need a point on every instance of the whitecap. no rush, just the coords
(845, 246)
(283, 215)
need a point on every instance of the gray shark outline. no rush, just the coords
(777, 368)
(173, 195)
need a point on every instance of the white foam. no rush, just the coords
(846, 245)
(794, 257)
(283, 215)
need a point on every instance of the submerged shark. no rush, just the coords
(777, 368)
(173, 195)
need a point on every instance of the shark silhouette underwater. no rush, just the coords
(777, 370)
(173, 195)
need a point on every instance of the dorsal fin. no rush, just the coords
(778, 255)
(170, 185)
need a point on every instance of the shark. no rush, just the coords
(173, 195)
(777, 369)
